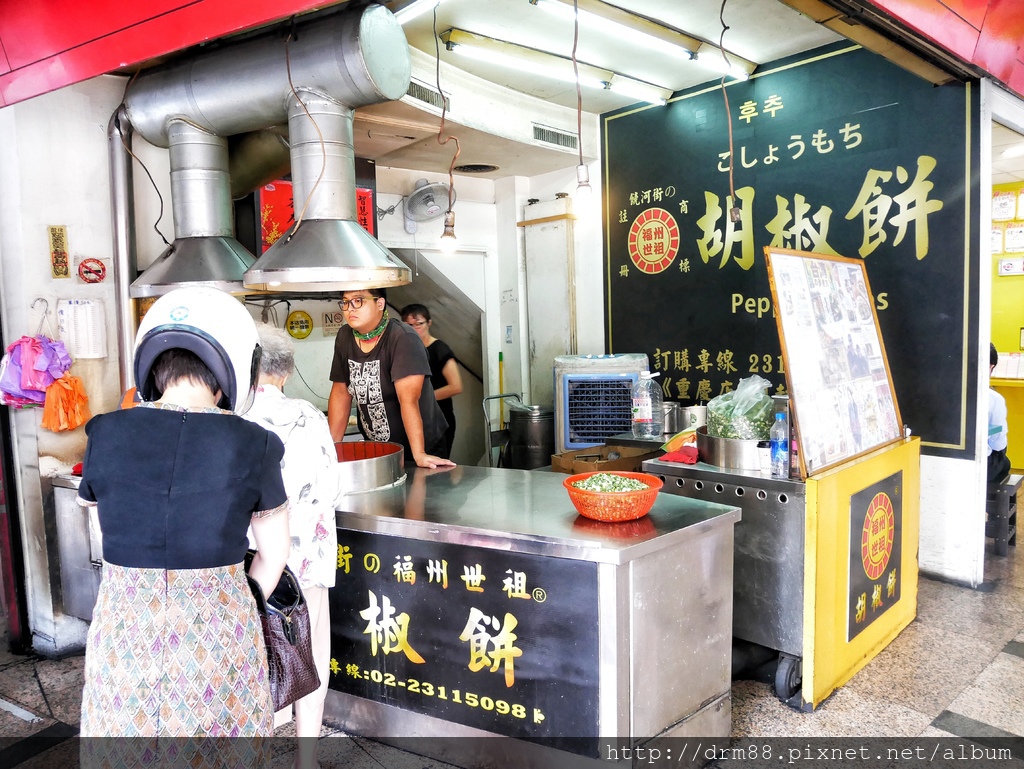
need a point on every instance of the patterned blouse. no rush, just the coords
(311, 478)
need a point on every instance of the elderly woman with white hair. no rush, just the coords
(311, 480)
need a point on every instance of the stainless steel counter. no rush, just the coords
(620, 630)
(529, 511)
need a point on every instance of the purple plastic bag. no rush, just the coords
(33, 363)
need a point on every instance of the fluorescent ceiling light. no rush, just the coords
(626, 26)
(544, 64)
(711, 57)
(641, 91)
(1013, 151)
(524, 65)
(523, 59)
(415, 9)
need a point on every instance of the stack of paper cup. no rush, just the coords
(695, 416)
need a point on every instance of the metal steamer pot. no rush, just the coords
(369, 465)
(729, 453)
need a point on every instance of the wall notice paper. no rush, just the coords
(83, 328)
(1013, 238)
(997, 239)
(1009, 366)
(1004, 205)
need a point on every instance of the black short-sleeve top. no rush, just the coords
(371, 376)
(176, 488)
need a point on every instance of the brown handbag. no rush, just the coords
(285, 620)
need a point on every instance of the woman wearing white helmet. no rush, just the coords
(175, 647)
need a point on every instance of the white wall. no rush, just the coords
(952, 542)
(472, 268)
(53, 162)
(588, 241)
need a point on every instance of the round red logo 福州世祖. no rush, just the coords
(653, 240)
(877, 535)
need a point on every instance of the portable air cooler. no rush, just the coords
(593, 397)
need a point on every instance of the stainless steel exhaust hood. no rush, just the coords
(336, 64)
(202, 261)
(326, 250)
(204, 251)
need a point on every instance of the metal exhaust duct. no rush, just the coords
(257, 158)
(204, 251)
(327, 250)
(338, 63)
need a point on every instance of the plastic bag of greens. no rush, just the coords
(744, 413)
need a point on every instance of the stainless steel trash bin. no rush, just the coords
(531, 440)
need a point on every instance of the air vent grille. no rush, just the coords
(599, 408)
(554, 136)
(427, 95)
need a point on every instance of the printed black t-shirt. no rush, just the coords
(371, 380)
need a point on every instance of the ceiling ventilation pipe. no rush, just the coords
(204, 250)
(307, 257)
(339, 63)
(256, 159)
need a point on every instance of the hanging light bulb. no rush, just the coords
(583, 189)
(448, 241)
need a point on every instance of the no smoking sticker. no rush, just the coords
(92, 270)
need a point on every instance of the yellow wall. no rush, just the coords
(1007, 292)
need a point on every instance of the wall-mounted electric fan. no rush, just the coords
(427, 202)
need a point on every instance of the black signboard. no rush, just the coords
(500, 641)
(876, 552)
(836, 152)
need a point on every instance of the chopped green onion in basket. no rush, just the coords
(610, 482)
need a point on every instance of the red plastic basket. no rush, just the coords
(614, 506)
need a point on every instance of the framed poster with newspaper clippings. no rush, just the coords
(842, 401)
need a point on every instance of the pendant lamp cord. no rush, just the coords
(444, 110)
(160, 215)
(576, 73)
(728, 115)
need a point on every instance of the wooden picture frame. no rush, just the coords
(842, 401)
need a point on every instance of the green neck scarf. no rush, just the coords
(371, 335)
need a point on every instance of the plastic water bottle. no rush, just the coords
(780, 446)
(647, 411)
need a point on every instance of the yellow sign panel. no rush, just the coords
(854, 541)
(299, 324)
(58, 237)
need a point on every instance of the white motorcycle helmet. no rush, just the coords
(213, 325)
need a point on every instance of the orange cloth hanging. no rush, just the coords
(66, 405)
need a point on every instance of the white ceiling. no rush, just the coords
(759, 30)
(403, 134)
(1006, 170)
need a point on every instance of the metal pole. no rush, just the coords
(122, 211)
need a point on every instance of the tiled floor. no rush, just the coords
(958, 669)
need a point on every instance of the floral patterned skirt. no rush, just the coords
(176, 654)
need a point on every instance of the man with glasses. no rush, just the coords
(381, 364)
